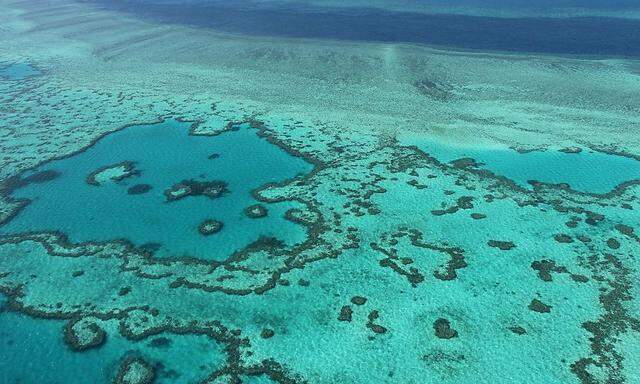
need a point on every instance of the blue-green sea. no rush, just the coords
(319, 191)
(164, 155)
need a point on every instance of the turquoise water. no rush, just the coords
(164, 154)
(18, 71)
(400, 269)
(587, 171)
(33, 351)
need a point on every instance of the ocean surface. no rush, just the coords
(307, 192)
(583, 35)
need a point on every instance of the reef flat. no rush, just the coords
(180, 205)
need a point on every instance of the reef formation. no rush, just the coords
(282, 245)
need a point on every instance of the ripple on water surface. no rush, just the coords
(584, 170)
(121, 188)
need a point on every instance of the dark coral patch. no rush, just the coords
(545, 267)
(501, 245)
(41, 177)
(185, 188)
(128, 170)
(465, 162)
(135, 370)
(160, 342)
(625, 229)
(345, 313)
(376, 328)
(562, 238)
(571, 150)
(139, 189)
(443, 329)
(538, 306)
(613, 243)
(82, 335)
(267, 333)
(11, 184)
(256, 211)
(209, 227)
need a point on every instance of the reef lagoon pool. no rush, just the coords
(582, 169)
(17, 71)
(157, 186)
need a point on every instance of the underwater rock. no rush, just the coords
(209, 227)
(593, 218)
(613, 243)
(562, 238)
(112, 172)
(443, 329)
(583, 239)
(465, 162)
(267, 333)
(41, 177)
(345, 313)
(579, 278)
(84, 334)
(625, 229)
(518, 330)
(256, 211)
(124, 291)
(465, 202)
(358, 300)
(478, 216)
(571, 150)
(160, 342)
(573, 223)
(545, 267)
(301, 216)
(376, 328)
(185, 188)
(139, 189)
(135, 370)
(502, 245)
(538, 306)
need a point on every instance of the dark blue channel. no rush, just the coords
(592, 36)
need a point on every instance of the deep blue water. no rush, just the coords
(575, 35)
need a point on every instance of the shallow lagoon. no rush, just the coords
(33, 351)
(164, 155)
(586, 171)
(18, 71)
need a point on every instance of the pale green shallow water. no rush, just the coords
(381, 259)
